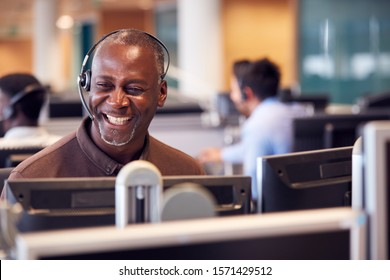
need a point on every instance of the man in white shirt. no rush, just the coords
(268, 127)
(21, 99)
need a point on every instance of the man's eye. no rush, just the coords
(104, 86)
(134, 91)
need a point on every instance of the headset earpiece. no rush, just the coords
(8, 112)
(85, 80)
(244, 96)
(243, 93)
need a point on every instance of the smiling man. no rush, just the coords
(126, 86)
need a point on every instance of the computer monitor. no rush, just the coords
(53, 203)
(65, 108)
(318, 101)
(374, 101)
(376, 187)
(325, 234)
(305, 180)
(323, 131)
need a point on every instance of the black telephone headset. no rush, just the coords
(84, 79)
(9, 111)
(241, 86)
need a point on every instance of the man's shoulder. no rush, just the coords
(40, 163)
(173, 160)
(156, 144)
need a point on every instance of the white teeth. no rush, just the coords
(117, 121)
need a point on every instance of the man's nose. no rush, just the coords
(118, 98)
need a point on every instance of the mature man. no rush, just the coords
(126, 87)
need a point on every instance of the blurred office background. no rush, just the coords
(337, 48)
(340, 47)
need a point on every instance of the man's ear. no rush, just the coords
(247, 93)
(162, 94)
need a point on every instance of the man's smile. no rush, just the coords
(117, 120)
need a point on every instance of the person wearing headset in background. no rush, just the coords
(236, 152)
(22, 98)
(126, 86)
(267, 129)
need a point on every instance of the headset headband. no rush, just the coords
(27, 90)
(9, 110)
(92, 49)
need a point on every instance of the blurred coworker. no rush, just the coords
(267, 129)
(22, 97)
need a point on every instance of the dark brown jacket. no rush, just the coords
(76, 155)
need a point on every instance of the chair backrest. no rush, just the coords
(10, 157)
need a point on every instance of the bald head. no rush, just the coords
(134, 37)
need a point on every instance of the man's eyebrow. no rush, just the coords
(107, 77)
(138, 81)
(128, 81)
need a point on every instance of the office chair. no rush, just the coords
(10, 157)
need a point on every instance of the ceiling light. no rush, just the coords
(64, 22)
